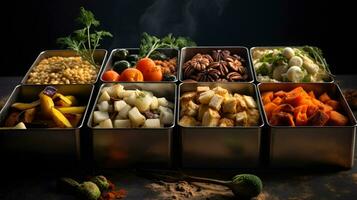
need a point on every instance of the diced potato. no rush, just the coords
(119, 105)
(210, 118)
(242, 118)
(131, 99)
(202, 89)
(225, 122)
(216, 102)
(241, 104)
(123, 113)
(201, 111)
(250, 101)
(163, 102)
(103, 106)
(99, 116)
(137, 119)
(189, 108)
(152, 123)
(187, 121)
(166, 115)
(220, 91)
(116, 90)
(126, 93)
(230, 105)
(104, 97)
(188, 96)
(143, 102)
(122, 123)
(106, 124)
(154, 103)
(205, 97)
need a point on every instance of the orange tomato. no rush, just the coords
(131, 75)
(111, 75)
(150, 71)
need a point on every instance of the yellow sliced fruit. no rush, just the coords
(61, 100)
(72, 110)
(60, 120)
(73, 100)
(46, 105)
(25, 106)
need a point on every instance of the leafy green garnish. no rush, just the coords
(86, 40)
(263, 70)
(316, 54)
(150, 43)
(278, 59)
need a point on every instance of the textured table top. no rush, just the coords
(278, 184)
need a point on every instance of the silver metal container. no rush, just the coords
(188, 52)
(45, 145)
(128, 147)
(217, 147)
(100, 56)
(251, 51)
(171, 53)
(312, 146)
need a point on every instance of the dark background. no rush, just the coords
(30, 27)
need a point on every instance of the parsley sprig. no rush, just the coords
(149, 43)
(85, 40)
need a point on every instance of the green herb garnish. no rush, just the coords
(86, 40)
(150, 44)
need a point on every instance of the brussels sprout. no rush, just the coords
(132, 57)
(246, 186)
(89, 191)
(120, 66)
(158, 56)
(120, 54)
(101, 182)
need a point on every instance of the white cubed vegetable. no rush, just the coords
(123, 113)
(137, 119)
(99, 116)
(152, 123)
(288, 52)
(166, 115)
(104, 97)
(122, 123)
(125, 93)
(163, 101)
(143, 102)
(154, 103)
(103, 106)
(106, 124)
(119, 105)
(131, 99)
(295, 61)
(117, 89)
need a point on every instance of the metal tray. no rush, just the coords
(188, 52)
(100, 56)
(42, 145)
(127, 147)
(169, 52)
(216, 147)
(251, 50)
(311, 146)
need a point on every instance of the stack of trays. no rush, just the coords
(196, 146)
